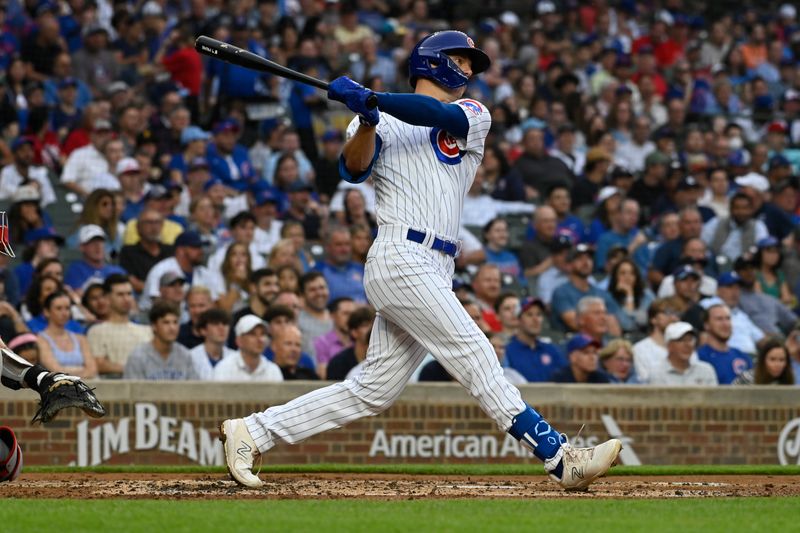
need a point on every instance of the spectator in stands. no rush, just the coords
(487, 284)
(113, 340)
(25, 345)
(733, 236)
(771, 279)
(187, 260)
(769, 314)
(198, 300)
(667, 256)
(679, 367)
(23, 171)
(228, 283)
(566, 296)
(616, 360)
(268, 228)
(588, 186)
(558, 272)
(495, 236)
(300, 258)
(262, 289)
(359, 326)
(42, 286)
(248, 364)
(608, 201)
(214, 326)
(25, 213)
(650, 351)
(95, 63)
(229, 159)
(746, 335)
(628, 289)
(695, 254)
(344, 276)
(535, 252)
(361, 240)
(582, 368)
(526, 353)
(624, 231)
(728, 362)
(326, 167)
(286, 349)
(507, 310)
(560, 199)
(204, 219)
(162, 358)
(95, 301)
(773, 367)
(157, 198)
(85, 163)
(355, 210)
(538, 170)
(41, 47)
(40, 245)
(61, 350)
(314, 319)
(171, 289)
(328, 345)
(93, 265)
(100, 209)
(137, 259)
(242, 227)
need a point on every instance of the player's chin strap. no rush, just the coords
(5, 236)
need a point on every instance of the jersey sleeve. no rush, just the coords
(480, 120)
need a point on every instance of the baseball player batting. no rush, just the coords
(422, 151)
(56, 390)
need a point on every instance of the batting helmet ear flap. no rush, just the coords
(10, 455)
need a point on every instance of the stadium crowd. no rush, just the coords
(634, 219)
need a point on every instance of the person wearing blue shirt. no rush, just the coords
(229, 161)
(536, 360)
(93, 265)
(345, 277)
(624, 232)
(728, 362)
(566, 297)
(235, 82)
(495, 235)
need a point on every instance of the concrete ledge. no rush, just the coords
(448, 394)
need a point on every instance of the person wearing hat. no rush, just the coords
(734, 235)
(92, 265)
(187, 260)
(163, 358)
(777, 142)
(746, 335)
(566, 297)
(595, 171)
(565, 149)
(194, 143)
(23, 170)
(539, 170)
(686, 282)
(159, 198)
(66, 114)
(583, 362)
(326, 167)
(694, 253)
(227, 158)
(268, 228)
(304, 209)
(558, 272)
(84, 163)
(171, 289)
(728, 362)
(248, 363)
(40, 244)
(680, 367)
(95, 63)
(535, 359)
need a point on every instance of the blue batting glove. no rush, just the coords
(354, 96)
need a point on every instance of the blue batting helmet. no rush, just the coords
(429, 59)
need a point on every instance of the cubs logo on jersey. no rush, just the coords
(472, 106)
(445, 147)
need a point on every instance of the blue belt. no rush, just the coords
(447, 247)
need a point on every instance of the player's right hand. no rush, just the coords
(354, 96)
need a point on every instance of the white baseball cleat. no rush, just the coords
(240, 452)
(583, 465)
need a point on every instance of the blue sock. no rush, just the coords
(533, 431)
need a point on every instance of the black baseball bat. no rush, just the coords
(247, 59)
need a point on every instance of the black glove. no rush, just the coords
(59, 391)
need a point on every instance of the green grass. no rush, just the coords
(755, 514)
(440, 469)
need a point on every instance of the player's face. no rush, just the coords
(462, 62)
(166, 328)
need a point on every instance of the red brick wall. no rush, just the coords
(659, 434)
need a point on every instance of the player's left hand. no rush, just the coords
(354, 96)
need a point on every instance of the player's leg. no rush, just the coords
(392, 357)
(10, 455)
(430, 311)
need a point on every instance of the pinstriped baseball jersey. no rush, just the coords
(422, 174)
(421, 178)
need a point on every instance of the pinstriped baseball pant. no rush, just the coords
(410, 287)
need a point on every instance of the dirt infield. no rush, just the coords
(384, 487)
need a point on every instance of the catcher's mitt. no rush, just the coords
(59, 391)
